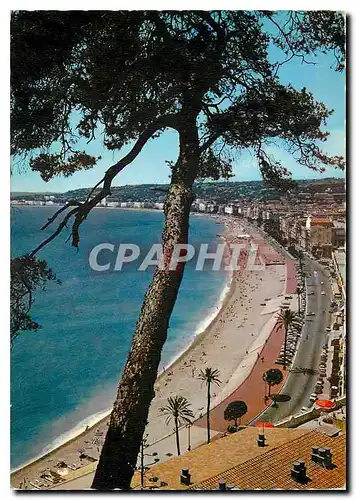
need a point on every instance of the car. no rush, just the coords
(304, 409)
(262, 304)
(328, 329)
(311, 293)
(313, 397)
(323, 293)
(321, 282)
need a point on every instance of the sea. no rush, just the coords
(64, 376)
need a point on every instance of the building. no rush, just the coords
(320, 235)
(216, 457)
(278, 469)
(238, 460)
(338, 234)
(231, 210)
(339, 259)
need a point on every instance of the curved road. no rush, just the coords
(298, 385)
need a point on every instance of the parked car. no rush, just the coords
(313, 397)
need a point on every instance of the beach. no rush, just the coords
(231, 341)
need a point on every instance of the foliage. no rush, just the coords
(27, 275)
(210, 376)
(273, 376)
(127, 75)
(177, 409)
(286, 319)
(235, 410)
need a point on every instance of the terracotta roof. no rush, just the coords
(271, 471)
(320, 220)
(214, 458)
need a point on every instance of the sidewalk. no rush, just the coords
(252, 389)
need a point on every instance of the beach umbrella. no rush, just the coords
(325, 403)
(262, 423)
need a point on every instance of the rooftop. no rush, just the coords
(272, 469)
(216, 457)
(317, 221)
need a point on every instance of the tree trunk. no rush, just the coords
(285, 347)
(177, 435)
(208, 414)
(136, 388)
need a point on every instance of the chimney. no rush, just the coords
(299, 472)
(185, 477)
(322, 456)
(222, 485)
(261, 440)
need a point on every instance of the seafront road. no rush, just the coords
(299, 386)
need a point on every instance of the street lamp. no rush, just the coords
(189, 426)
(142, 467)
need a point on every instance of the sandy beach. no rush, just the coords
(235, 336)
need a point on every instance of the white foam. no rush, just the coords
(96, 417)
(204, 324)
(68, 436)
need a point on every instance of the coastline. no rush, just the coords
(201, 335)
(105, 413)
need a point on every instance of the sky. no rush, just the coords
(150, 166)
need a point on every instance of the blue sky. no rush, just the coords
(327, 86)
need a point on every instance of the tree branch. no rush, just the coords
(82, 210)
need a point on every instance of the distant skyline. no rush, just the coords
(150, 166)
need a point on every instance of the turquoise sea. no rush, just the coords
(69, 369)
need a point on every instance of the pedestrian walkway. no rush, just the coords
(252, 389)
(291, 277)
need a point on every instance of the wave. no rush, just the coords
(203, 324)
(67, 436)
(94, 418)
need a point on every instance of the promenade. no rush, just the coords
(247, 343)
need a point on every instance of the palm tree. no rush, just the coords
(178, 410)
(209, 376)
(272, 377)
(286, 319)
(299, 293)
(304, 371)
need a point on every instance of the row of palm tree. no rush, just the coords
(178, 408)
(286, 319)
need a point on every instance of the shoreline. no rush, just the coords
(224, 302)
(200, 331)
